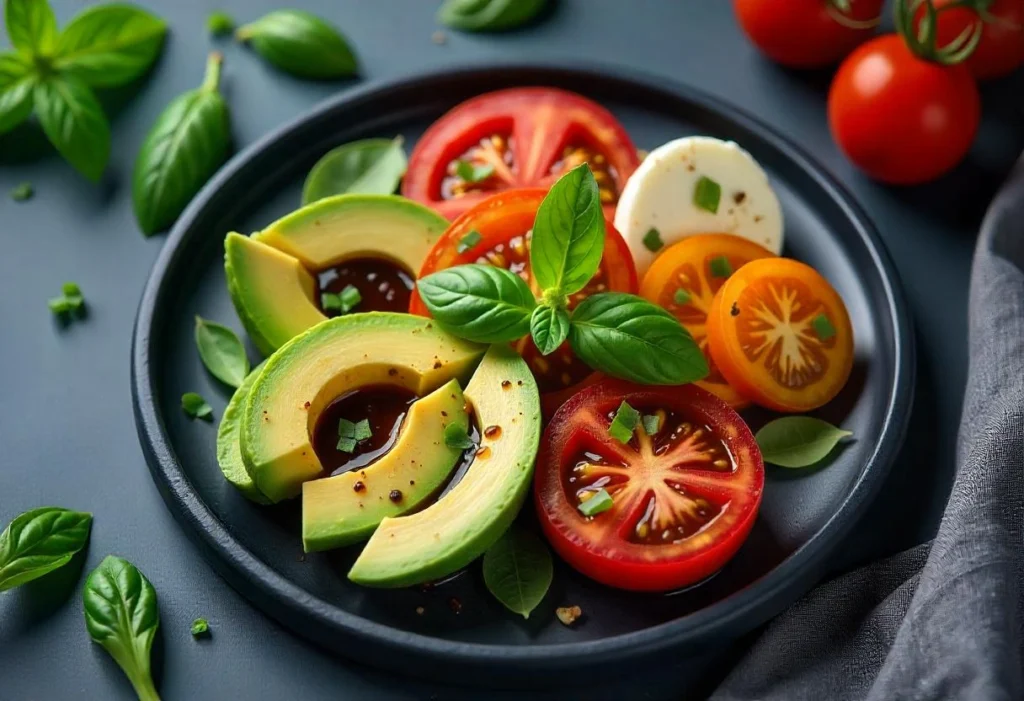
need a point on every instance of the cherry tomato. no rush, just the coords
(522, 137)
(503, 222)
(781, 336)
(901, 119)
(684, 279)
(1001, 49)
(807, 33)
(683, 499)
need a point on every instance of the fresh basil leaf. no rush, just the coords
(222, 352)
(74, 123)
(549, 327)
(568, 234)
(31, 26)
(17, 81)
(455, 436)
(798, 441)
(121, 615)
(479, 302)
(518, 571)
(300, 43)
(368, 167)
(110, 45)
(628, 337)
(40, 541)
(189, 142)
(488, 15)
(195, 407)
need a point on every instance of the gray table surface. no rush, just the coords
(67, 436)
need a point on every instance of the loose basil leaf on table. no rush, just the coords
(110, 45)
(121, 615)
(16, 84)
(367, 167)
(31, 26)
(549, 327)
(300, 43)
(628, 337)
(222, 352)
(195, 407)
(74, 123)
(798, 441)
(488, 15)
(40, 541)
(189, 142)
(518, 571)
(568, 234)
(479, 302)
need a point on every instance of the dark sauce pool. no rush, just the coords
(383, 285)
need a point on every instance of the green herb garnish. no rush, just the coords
(71, 301)
(652, 240)
(455, 436)
(195, 407)
(220, 23)
(221, 352)
(473, 173)
(300, 43)
(624, 423)
(720, 267)
(681, 296)
(518, 570)
(488, 15)
(469, 241)
(652, 424)
(707, 194)
(24, 191)
(798, 441)
(343, 302)
(549, 327)
(200, 628)
(600, 502)
(823, 327)
(366, 167)
(40, 541)
(349, 434)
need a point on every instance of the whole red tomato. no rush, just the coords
(1001, 49)
(900, 118)
(807, 33)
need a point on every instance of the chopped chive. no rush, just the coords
(681, 296)
(346, 445)
(22, 192)
(456, 437)
(652, 424)
(472, 173)
(600, 502)
(71, 289)
(362, 430)
(823, 327)
(624, 423)
(349, 297)
(195, 407)
(200, 627)
(469, 241)
(60, 305)
(652, 240)
(220, 23)
(720, 267)
(707, 194)
(330, 301)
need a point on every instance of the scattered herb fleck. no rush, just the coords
(473, 173)
(195, 407)
(455, 436)
(652, 424)
(469, 241)
(707, 194)
(71, 301)
(600, 502)
(720, 267)
(624, 423)
(652, 240)
(200, 628)
(349, 434)
(22, 192)
(823, 327)
(343, 302)
(220, 23)
(681, 296)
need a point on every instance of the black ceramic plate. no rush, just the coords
(257, 549)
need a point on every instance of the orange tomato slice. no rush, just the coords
(780, 335)
(684, 279)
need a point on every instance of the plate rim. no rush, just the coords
(314, 618)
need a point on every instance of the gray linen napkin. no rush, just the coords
(944, 620)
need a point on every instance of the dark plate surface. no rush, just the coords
(258, 550)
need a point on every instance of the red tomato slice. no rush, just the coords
(503, 222)
(683, 499)
(528, 137)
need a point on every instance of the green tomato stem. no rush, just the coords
(213, 65)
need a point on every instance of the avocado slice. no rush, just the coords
(337, 512)
(229, 451)
(449, 534)
(313, 369)
(271, 273)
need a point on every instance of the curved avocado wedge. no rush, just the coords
(229, 451)
(337, 512)
(459, 527)
(321, 364)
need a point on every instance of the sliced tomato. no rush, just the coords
(683, 499)
(684, 279)
(781, 335)
(504, 222)
(527, 137)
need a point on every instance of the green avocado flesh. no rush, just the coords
(323, 363)
(449, 534)
(271, 273)
(347, 508)
(229, 452)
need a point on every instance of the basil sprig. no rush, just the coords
(488, 15)
(619, 334)
(53, 72)
(300, 43)
(40, 541)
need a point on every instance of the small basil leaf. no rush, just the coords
(189, 142)
(488, 15)
(222, 353)
(300, 43)
(568, 233)
(195, 407)
(31, 26)
(479, 302)
(367, 167)
(220, 23)
(74, 123)
(110, 45)
(549, 327)
(16, 83)
(628, 337)
(518, 571)
(121, 615)
(798, 441)
(455, 436)
(38, 542)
